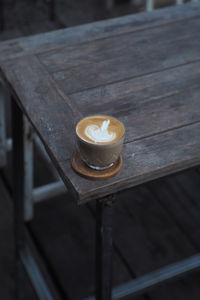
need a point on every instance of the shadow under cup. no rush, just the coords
(99, 156)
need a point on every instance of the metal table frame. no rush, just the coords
(32, 195)
(25, 259)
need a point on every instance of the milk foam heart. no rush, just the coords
(100, 134)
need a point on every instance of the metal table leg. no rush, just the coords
(18, 193)
(51, 4)
(104, 248)
(24, 257)
(1, 15)
(2, 124)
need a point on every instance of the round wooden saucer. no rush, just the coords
(82, 169)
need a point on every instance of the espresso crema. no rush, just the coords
(100, 129)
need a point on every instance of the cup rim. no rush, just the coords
(102, 143)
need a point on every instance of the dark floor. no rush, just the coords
(154, 224)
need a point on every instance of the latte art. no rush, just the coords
(100, 129)
(100, 134)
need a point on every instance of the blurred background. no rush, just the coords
(62, 236)
(22, 17)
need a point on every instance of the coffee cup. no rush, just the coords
(100, 140)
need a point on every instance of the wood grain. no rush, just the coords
(147, 237)
(140, 215)
(151, 83)
(108, 48)
(44, 105)
(128, 94)
(144, 160)
(40, 42)
(140, 61)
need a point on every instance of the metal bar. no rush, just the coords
(45, 155)
(138, 286)
(149, 5)
(137, 2)
(28, 170)
(103, 249)
(2, 126)
(179, 1)
(18, 192)
(35, 275)
(48, 191)
(9, 144)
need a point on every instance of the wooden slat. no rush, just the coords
(144, 160)
(44, 105)
(179, 196)
(154, 151)
(159, 239)
(102, 29)
(117, 46)
(140, 61)
(128, 94)
(185, 210)
(161, 114)
(186, 288)
(148, 239)
(54, 119)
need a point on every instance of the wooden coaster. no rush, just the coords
(82, 169)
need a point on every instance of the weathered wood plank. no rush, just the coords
(172, 111)
(157, 152)
(140, 215)
(144, 160)
(104, 49)
(140, 61)
(47, 106)
(44, 104)
(102, 29)
(179, 196)
(148, 239)
(185, 210)
(155, 115)
(128, 94)
(186, 288)
(189, 184)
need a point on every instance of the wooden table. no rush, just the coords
(143, 69)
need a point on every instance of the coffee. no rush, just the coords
(99, 141)
(100, 129)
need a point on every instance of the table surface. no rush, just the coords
(143, 69)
